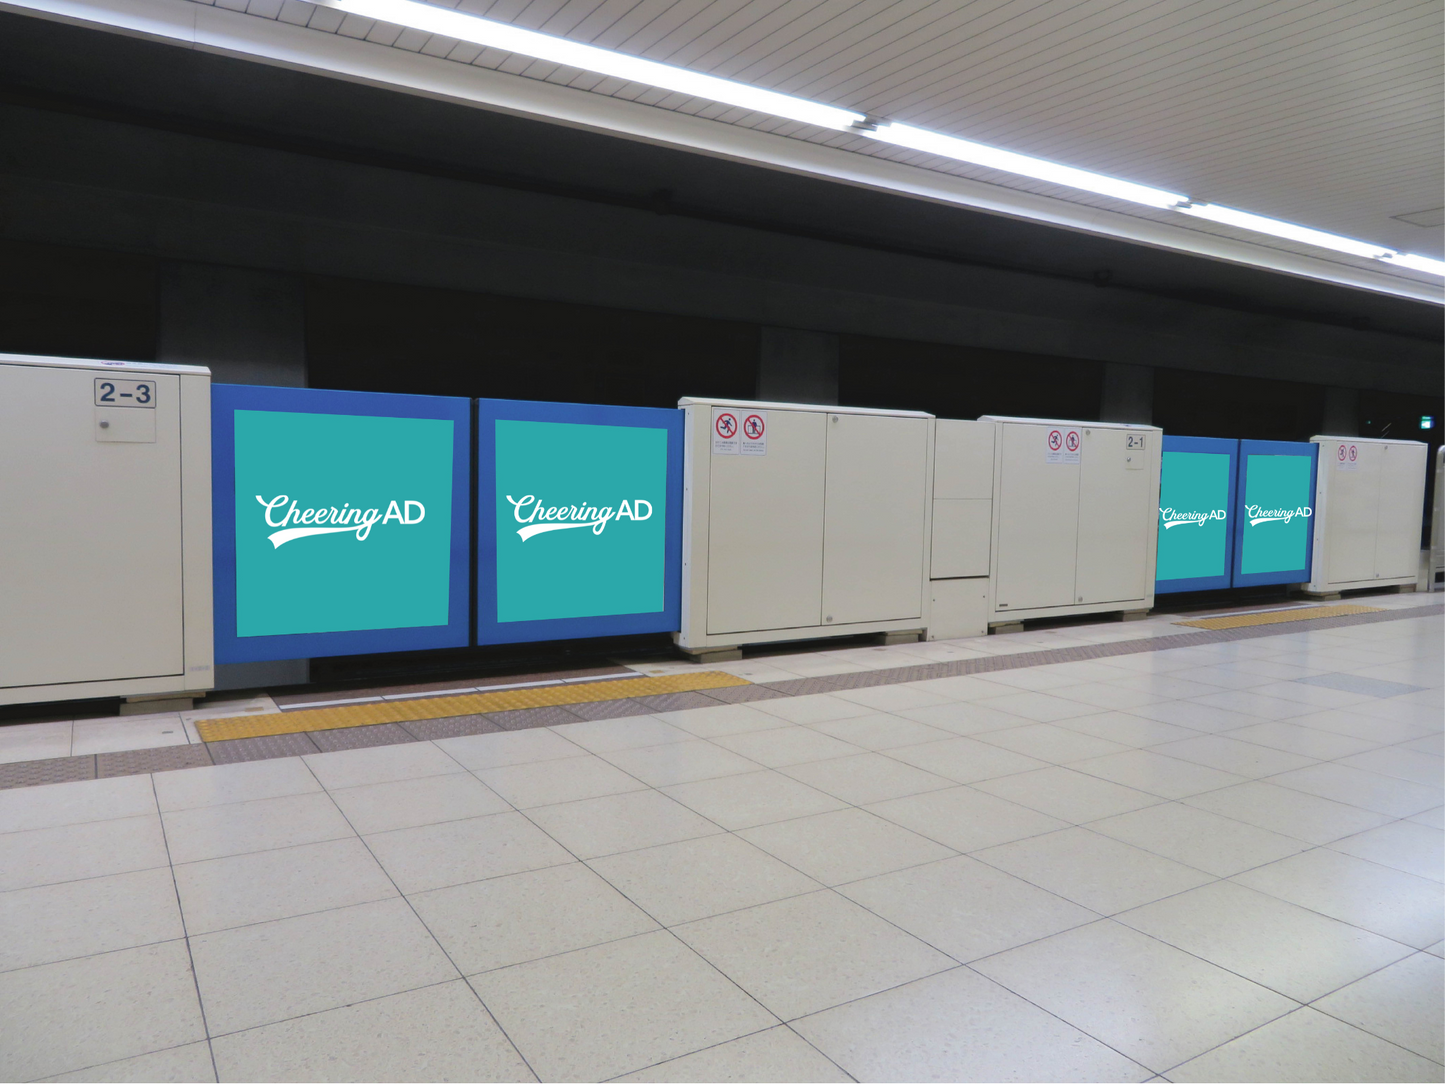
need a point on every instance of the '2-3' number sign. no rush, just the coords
(124, 393)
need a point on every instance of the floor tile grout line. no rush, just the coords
(672, 929)
(430, 933)
(1277, 1019)
(836, 891)
(102, 1064)
(185, 930)
(649, 914)
(1315, 1003)
(1411, 950)
(724, 1042)
(1137, 645)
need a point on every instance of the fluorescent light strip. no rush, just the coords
(634, 69)
(1288, 230)
(979, 154)
(1417, 263)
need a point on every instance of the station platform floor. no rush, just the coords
(1108, 851)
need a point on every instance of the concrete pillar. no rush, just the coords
(1128, 394)
(1342, 413)
(798, 366)
(248, 327)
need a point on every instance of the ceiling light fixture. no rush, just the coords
(980, 154)
(633, 69)
(1287, 230)
(1416, 263)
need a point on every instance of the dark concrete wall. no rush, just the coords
(174, 196)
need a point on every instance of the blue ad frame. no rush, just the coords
(1272, 447)
(226, 399)
(489, 630)
(1212, 446)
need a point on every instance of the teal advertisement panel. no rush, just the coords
(579, 520)
(1274, 524)
(339, 529)
(1196, 495)
(581, 515)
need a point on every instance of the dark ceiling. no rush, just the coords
(58, 67)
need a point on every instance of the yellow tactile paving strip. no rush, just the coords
(442, 707)
(1275, 617)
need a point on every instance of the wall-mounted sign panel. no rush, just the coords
(1272, 527)
(1196, 503)
(579, 520)
(341, 522)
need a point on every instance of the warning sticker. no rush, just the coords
(755, 433)
(1062, 445)
(726, 438)
(1347, 457)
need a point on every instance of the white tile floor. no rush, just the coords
(1188, 864)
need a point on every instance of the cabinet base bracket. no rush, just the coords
(912, 636)
(1321, 596)
(1007, 626)
(1133, 615)
(155, 705)
(710, 655)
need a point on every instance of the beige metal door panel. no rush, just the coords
(961, 531)
(1401, 509)
(877, 485)
(1037, 509)
(1115, 517)
(765, 530)
(90, 530)
(962, 460)
(1351, 511)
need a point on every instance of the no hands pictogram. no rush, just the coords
(726, 426)
(1354, 452)
(1056, 440)
(1073, 441)
(753, 427)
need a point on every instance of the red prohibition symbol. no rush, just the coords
(753, 427)
(1073, 441)
(1354, 452)
(726, 426)
(1056, 440)
(1342, 452)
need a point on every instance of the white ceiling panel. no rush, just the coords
(1327, 113)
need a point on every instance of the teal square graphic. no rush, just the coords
(343, 522)
(581, 516)
(1276, 513)
(1193, 515)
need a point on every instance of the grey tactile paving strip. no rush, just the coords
(676, 702)
(31, 773)
(360, 737)
(456, 726)
(608, 709)
(526, 718)
(267, 748)
(168, 758)
(741, 694)
(803, 686)
(1019, 660)
(35, 773)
